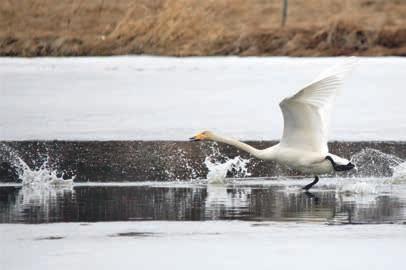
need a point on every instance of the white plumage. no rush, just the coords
(306, 115)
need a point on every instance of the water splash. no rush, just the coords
(45, 175)
(359, 187)
(41, 187)
(399, 173)
(384, 171)
(218, 170)
(177, 163)
(372, 162)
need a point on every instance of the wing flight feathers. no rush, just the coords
(306, 113)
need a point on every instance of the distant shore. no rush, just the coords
(196, 28)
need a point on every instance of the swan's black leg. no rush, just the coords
(307, 187)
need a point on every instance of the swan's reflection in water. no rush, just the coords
(226, 202)
(184, 201)
(32, 204)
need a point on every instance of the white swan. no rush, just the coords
(304, 142)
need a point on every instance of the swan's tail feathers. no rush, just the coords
(347, 167)
(340, 164)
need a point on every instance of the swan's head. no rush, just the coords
(205, 135)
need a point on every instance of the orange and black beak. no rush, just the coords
(194, 139)
(198, 137)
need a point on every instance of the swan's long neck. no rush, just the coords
(240, 145)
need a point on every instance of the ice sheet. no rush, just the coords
(140, 97)
(201, 245)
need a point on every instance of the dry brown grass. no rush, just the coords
(195, 27)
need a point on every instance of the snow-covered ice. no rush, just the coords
(140, 97)
(201, 245)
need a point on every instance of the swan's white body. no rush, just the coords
(309, 162)
(303, 145)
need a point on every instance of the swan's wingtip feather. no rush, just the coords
(341, 69)
(351, 62)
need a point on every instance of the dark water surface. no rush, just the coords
(94, 203)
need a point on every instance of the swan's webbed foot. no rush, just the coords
(340, 168)
(308, 186)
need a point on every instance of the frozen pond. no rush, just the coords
(153, 98)
(201, 245)
(260, 223)
(242, 223)
(257, 223)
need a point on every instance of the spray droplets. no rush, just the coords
(45, 175)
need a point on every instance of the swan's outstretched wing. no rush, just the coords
(306, 114)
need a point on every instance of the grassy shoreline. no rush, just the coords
(202, 28)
